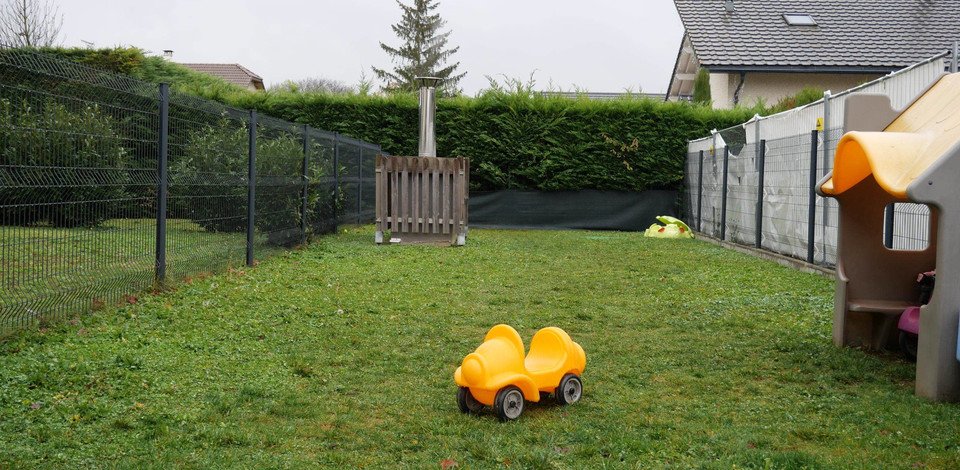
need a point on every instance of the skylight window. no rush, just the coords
(799, 19)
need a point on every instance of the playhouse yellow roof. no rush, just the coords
(919, 137)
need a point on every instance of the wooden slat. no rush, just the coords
(379, 172)
(435, 195)
(405, 195)
(424, 192)
(394, 196)
(414, 196)
(445, 197)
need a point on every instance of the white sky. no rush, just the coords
(597, 45)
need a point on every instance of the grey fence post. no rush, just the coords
(251, 185)
(700, 196)
(953, 60)
(160, 268)
(723, 209)
(336, 180)
(761, 163)
(812, 200)
(359, 184)
(888, 214)
(306, 166)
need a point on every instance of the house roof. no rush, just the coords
(850, 36)
(232, 73)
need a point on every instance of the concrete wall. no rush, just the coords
(772, 87)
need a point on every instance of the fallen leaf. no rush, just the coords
(448, 463)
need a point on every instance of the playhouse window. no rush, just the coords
(909, 228)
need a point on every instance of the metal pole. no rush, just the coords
(700, 196)
(336, 180)
(812, 200)
(827, 163)
(723, 213)
(888, 213)
(251, 185)
(306, 163)
(761, 162)
(160, 271)
(953, 60)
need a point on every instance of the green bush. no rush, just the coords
(522, 141)
(213, 171)
(67, 167)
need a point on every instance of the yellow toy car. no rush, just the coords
(497, 374)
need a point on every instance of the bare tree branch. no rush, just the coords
(30, 23)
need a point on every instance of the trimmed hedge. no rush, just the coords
(515, 140)
(522, 141)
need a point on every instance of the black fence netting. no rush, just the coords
(110, 186)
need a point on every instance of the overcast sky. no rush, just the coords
(597, 45)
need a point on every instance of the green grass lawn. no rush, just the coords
(342, 354)
(46, 272)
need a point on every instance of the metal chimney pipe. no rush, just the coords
(428, 109)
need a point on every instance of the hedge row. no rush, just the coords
(515, 140)
(522, 141)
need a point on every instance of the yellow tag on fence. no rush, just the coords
(820, 124)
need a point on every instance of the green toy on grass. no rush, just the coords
(672, 228)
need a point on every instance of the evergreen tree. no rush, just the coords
(701, 87)
(423, 52)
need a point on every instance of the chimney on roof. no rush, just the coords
(168, 54)
(729, 6)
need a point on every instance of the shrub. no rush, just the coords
(64, 166)
(212, 175)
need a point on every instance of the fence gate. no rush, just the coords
(422, 199)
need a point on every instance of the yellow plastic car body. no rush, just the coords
(497, 373)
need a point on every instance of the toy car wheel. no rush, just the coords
(467, 403)
(570, 390)
(509, 403)
(908, 344)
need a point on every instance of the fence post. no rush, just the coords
(251, 184)
(700, 196)
(888, 213)
(336, 180)
(359, 183)
(723, 210)
(953, 60)
(160, 268)
(306, 163)
(759, 211)
(812, 200)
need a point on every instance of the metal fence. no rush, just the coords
(754, 184)
(110, 186)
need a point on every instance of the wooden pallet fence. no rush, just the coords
(422, 199)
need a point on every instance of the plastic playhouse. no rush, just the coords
(497, 374)
(889, 156)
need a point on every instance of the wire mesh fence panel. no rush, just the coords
(278, 204)
(712, 192)
(208, 184)
(742, 195)
(368, 165)
(786, 195)
(911, 226)
(321, 182)
(77, 187)
(691, 188)
(349, 161)
(828, 212)
(110, 185)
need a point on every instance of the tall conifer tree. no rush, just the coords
(423, 52)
